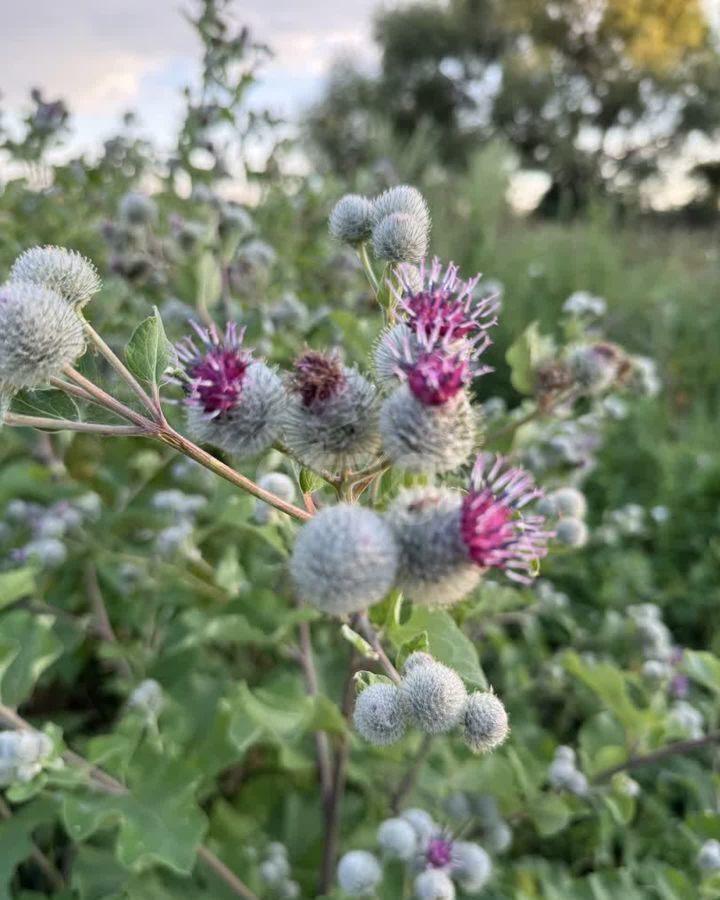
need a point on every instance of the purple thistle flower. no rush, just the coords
(318, 377)
(444, 307)
(439, 852)
(437, 377)
(216, 373)
(493, 530)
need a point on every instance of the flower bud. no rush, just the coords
(485, 722)
(427, 438)
(569, 503)
(434, 697)
(138, 209)
(571, 532)
(422, 823)
(148, 698)
(397, 839)
(434, 568)
(331, 416)
(434, 884)
(400, 238)
(274, 871)
(708, 858)
(65, 272)
(351, 219)
(379, 714)
(47, 552)
(471, 866)
(418, 658)
(277, 483)
(402, 199)
(39, 335)
(344, 560)
(597, 367)
(359, 873)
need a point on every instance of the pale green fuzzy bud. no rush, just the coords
(275, 849)
(400, 238)
(686, 719)
(39, 335)
(422, 822)
(397, 839)
(434, 884)
(379, 714)
(569, 503)
(138, 209)
(498, 837)
(434, 697)
(281, 486)
(351, 220)
(471, 866)
(571, 532)
(393, 344)
(457, 806)
(338, 433)
(275, 871)
(65, 272)
(434, 568)
(708, 858)
(344, 560)
(359, 873)
(47, 552)
(402, 199)
(418, 658)
(485, 722)
(288, 890)
(148, 697)
(431, 439)
(596, 367)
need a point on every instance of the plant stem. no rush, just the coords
(46, 866)
(371, 636)
(368, 268)
(112, 786)
(102, 619)
(410, 777)
(16, 420)
(108, 401)
(171, 437)
(122, 370)
(649, 759)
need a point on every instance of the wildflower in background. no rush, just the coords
(23, 755)
(278, 484)
(397, 839)
(65, 272)
(330, 422)
(708, 858)
(351, 219)
(359, 873)
(564, 775)
(422, 823)
(138, 209)
(434, 884)
(40, 334)
(583, 303)
(571, 532)
(232, 400)
(597, 367)
(344, 560)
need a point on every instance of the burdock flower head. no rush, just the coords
(66, 272)
(232, 400)
(331, 417)
(495, 532)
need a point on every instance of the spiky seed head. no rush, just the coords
(434, 697)
(344, 560)
(351, 219)
(379, 714)
(471, 866)
(65, 272)
(434, 884)
(431, 439)
(571, 532)
(422, 822)
(397, 839)
(418, 658)
(138, 209)
(331, 419)
(597, 367)
(485, 722)
(40, 334)
(708, 858)
(400, 238)
(569, 502)
(434, 568)
(359, 873)
(401, 199)
(394, 344)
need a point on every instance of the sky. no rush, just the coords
(108, 56)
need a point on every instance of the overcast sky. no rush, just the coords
(108, 56)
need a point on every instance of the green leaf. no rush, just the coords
(149, 352)
(309, 481)
(550, 814)
(419, 643)
(446, 641)
(358, 642)
(16, 839)
(524, 355)
(702, 667)
(363, 679)
(15, 585)
(209, 281)
(51, 404)
(38, 648)
(610, 686)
